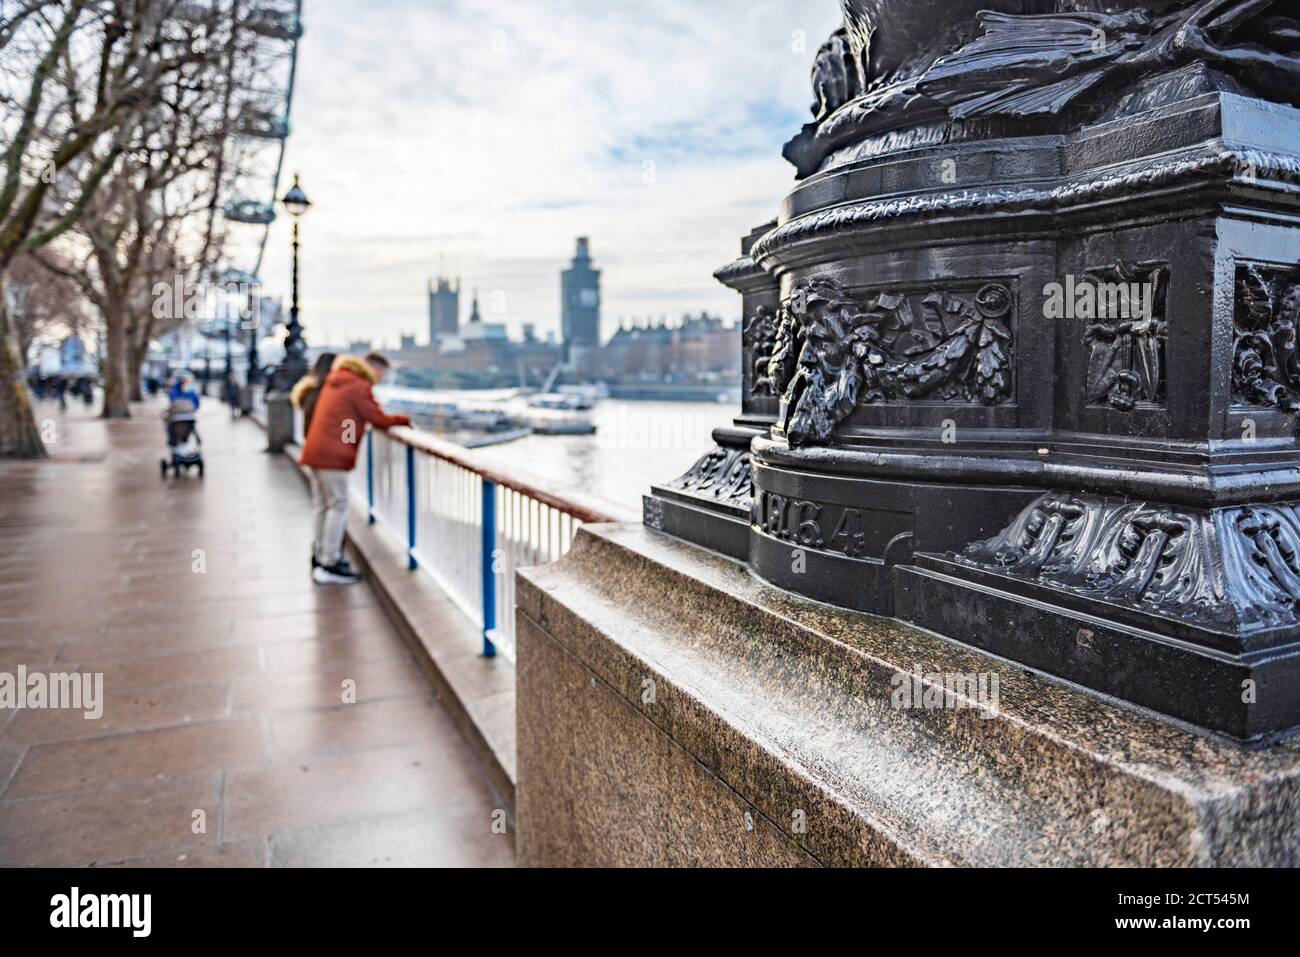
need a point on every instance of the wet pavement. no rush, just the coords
(250, 717)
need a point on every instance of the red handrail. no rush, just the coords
(585, 508)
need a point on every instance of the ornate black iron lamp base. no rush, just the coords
(1021, 363)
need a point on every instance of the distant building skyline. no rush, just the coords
(698, 349)
(495, 133)
(579, 312)
(477, 329)
(580, 301)
(444, 308)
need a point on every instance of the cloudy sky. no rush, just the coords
(490, 133)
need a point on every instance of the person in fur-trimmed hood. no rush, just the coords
(343, 408)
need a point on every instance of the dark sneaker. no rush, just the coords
(337, 574)
(342, 563)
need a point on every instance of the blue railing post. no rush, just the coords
(489, 544)
(370, 477)
(411, 563)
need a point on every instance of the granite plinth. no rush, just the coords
(673, 709)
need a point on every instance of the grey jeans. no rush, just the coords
(329, 496)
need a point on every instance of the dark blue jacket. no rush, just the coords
(178, 392)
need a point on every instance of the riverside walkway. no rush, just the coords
(225, 737)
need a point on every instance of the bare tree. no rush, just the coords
(145, 320)
(48, 305)
(78, 81)
(142, 228)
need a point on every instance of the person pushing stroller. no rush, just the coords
(183, 388)
(181, 423)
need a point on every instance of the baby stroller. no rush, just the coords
(182, 440)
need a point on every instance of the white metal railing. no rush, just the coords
(387, 466)
(448, 523)
(466, 524)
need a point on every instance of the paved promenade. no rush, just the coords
(225, 737)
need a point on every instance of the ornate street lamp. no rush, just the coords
(294, 366)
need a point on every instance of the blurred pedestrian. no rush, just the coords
(230, 392)
(306, 391)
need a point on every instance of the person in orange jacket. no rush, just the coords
(345, 407)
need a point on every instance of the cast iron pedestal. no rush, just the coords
(1020, 351)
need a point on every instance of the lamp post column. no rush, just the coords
(295, 347)
(294, 367)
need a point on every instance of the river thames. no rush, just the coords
(635, 445)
